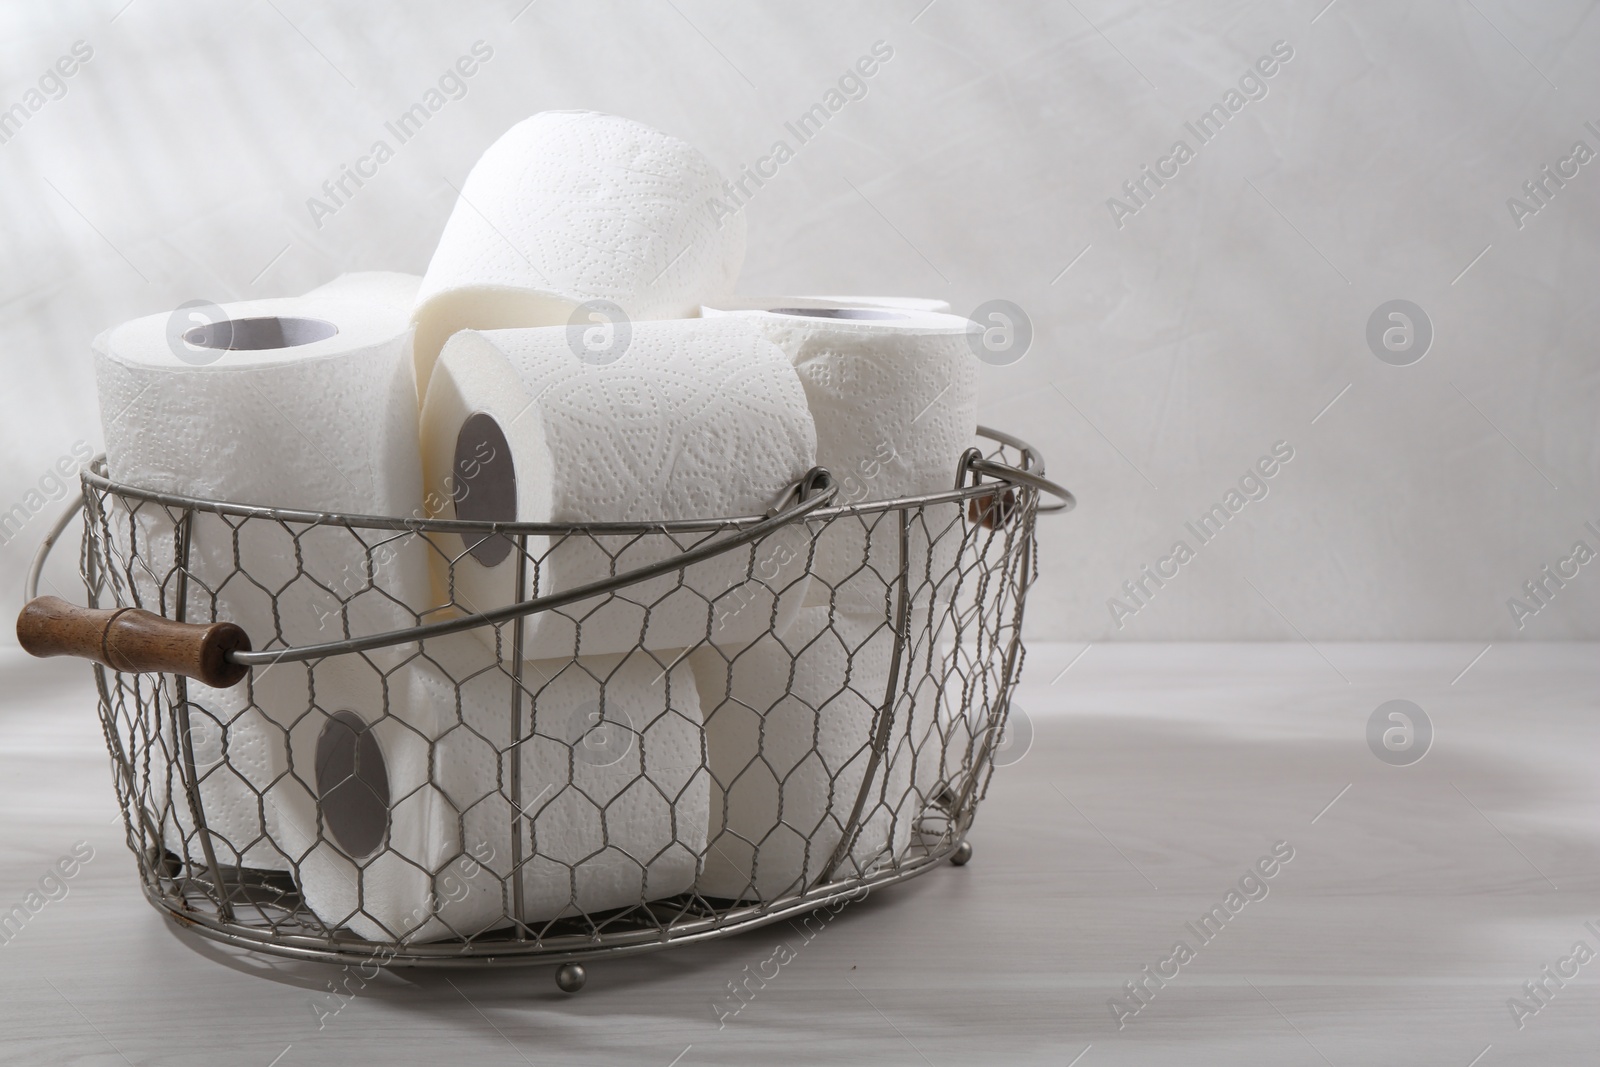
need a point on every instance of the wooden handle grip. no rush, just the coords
(133, 640)
(993, 510)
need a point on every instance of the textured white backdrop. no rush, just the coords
(1221, 318)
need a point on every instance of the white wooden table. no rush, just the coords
(1418, 901)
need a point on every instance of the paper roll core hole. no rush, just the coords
(255, 335)
(873, 314)
(352, 784)
(484, 484)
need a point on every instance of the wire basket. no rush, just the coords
(373, 770)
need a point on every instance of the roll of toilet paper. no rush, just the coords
(611, 807)
(790, 727)
(366, 832)
(690, 419)
(234, 748)
(383, 288)
(572, 206)
(893, 392)
(592, 785)
(303, 403)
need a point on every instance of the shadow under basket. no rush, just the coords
(324, 750)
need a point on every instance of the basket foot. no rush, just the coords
(570, 977)
(963, 854)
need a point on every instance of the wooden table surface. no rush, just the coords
(1419, 900)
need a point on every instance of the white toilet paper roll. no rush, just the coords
(234, 749)
(384, 288)
(789, 734)
(299, 403)
(893, 392)
(693, 419)
(613, 795)
(402, 827)
(572, 206)
(366, 832)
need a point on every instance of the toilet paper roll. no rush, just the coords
(789, 734)
(405, 829)
(383, 288)
(613, 801)
(233, 747)
(693, 419)
(356, 812)
(893, 392)
(302, 403)
(572, 206)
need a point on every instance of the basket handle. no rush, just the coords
(133, 640)
(810, 493)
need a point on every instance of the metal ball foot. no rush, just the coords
(962, 855)
(570, 977)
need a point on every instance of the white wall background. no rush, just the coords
(1223, 317)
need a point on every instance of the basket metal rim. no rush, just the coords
(1034, 472)
(459, 954)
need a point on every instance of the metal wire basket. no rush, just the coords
(399, 783)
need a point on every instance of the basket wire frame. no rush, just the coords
(953, 593)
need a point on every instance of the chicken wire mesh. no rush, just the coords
(718, 745)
